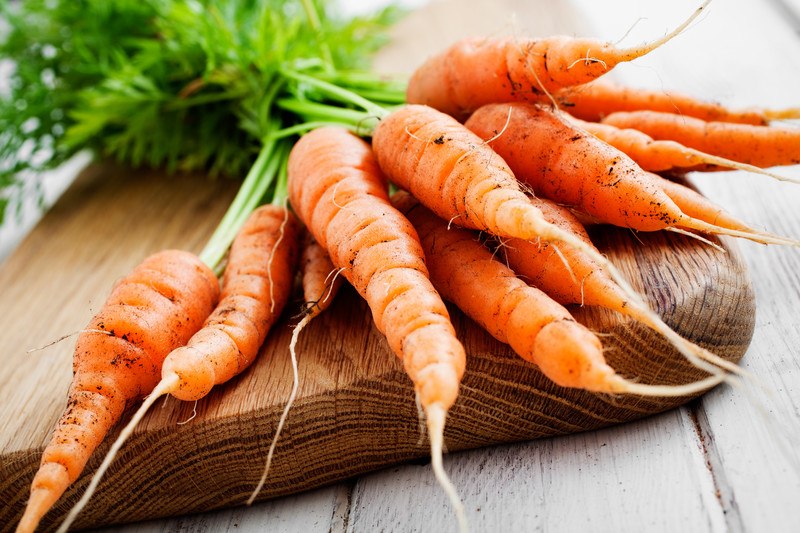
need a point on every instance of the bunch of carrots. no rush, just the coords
(507, 138)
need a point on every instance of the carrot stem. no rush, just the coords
(340, 93)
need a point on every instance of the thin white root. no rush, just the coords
(695, 236)
(68, 335)
(696, 355)
(436, 418)
(295, 385)
(760, 237)
(630, 387)
(165, 386)
(639, 51)
(281, 233)
(729, 163)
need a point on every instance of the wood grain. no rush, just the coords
(355, 411)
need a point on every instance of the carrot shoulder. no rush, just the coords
(337, 189)
(149, 313)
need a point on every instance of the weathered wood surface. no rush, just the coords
(712, 466)
(355, 411)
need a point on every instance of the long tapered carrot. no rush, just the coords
(455, 174)
(573, 167)
(475, 72)
(666, 155)
(533, 324)
(256, 286)
(571, 277)
(149, 313)
(762, 146)
(338, 190)
(595, 100)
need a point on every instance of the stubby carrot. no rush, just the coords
(762, 146)
(595, 100)
(256, 285)
(660, 156)
(533, 324)
(338, 190)
(149, 313)
(573, 167)
(479, 71)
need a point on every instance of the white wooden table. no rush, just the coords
(728, 462)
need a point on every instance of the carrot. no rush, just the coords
(321, 282)
(595, 100)
(572, 167)
(762, 146)
(571, 277)
(533, 324)
(337, 189)
(455, 174)
(479, 71)
(657, 156)
(149, 313)
(255, 287)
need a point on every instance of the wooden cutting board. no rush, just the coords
(355, 411)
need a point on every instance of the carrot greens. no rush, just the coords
(184, 84)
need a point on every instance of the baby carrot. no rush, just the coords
(475, 72)
(595, 100)
(572, 167)
(666, 155)
(149, 313)
(337, 189)
(533, 324)
(762, 146)
(256, 285)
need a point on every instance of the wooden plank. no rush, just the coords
(598, 481)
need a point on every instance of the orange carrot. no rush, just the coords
(321, 282)
(256, 285)
(148, 314)
(337, 189)
(533, 324)
(475, 72)
(572, 167)
(456, 175)
(595, 100)
(762, 146)
(571, 277)
(319, 277)
(656, 156)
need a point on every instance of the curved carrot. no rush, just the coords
(256, 286)
(337, 189)
(762, 146)
(656, 156)
(149, 313)
(479, 71)
(533, 324)
(572, 167)
(595, 100)
(321, 282)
